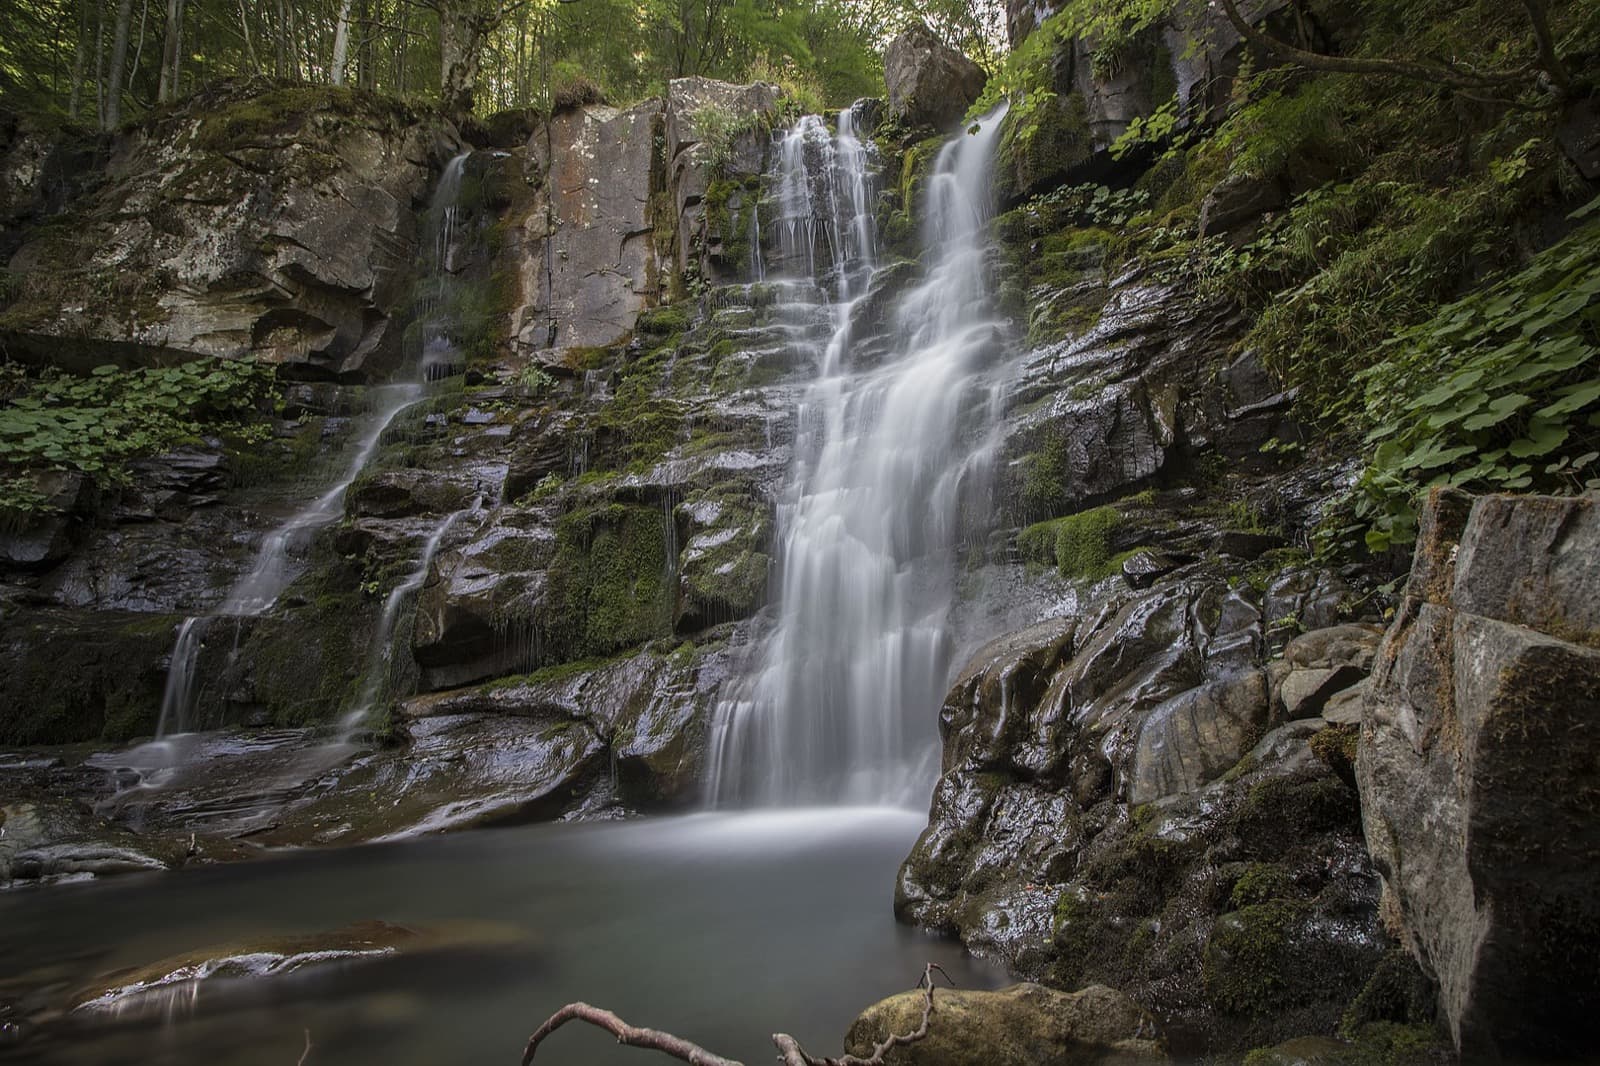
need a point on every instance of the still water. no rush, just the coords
(719, 927)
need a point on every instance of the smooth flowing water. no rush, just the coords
(843, 705)
(720, 927)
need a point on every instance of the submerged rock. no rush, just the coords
(1478, 745)
(153, 989)
(1017, 1026)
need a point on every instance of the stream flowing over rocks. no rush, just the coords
(701, 453)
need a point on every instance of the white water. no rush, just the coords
(843, 706)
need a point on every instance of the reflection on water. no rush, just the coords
(719, 927)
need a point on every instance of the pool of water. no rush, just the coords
(721, 928)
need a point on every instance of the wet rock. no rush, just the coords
(650, 710)
(403, 493)
(1244, 545)
(76, 675)
(1197, 736)
(50, 838)
(46, 538)
(1016, 1026)
(1478, 741)
(1305, 693)
(1145, 568)
(1106, 782)
(930, 84)
(1344, 645)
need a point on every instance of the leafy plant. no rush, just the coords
(94, 424)
(1514, 401)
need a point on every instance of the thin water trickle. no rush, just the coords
(259, 588)
(843, 704)
(381, 650)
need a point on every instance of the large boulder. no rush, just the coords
(930, 83)
(1478, 747)
(1016, 1026)
(279, 224)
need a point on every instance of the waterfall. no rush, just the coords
(259, 587)
(843, 705)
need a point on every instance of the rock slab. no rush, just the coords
(1479, 741)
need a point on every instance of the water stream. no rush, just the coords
(842, 707)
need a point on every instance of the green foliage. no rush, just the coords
(94, 424)
(1499, 391)
(720, 129)
(535, 379)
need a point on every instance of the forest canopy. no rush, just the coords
(101, 62)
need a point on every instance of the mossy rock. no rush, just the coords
(73, 676)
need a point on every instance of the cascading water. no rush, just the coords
(842, 706)
(379, 656)
(259, 588)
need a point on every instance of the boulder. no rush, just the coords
(1106, 781)
(1305, 693)
(1195, 737)
(1237, 199)
(1017, 1026)
(1478, 743)
(930, 83)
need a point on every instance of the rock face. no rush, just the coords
(595, 267)
(1120, 804)
(625, 200)
(1018, 1026)
(1478, 744)
(930, 83)
(280, 225)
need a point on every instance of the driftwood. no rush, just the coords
(790, 1053)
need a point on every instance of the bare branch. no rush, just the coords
(1415, 70)
(306, 1054)
(790, 1053)
(1548, 58)
(655, 1039)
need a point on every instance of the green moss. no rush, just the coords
(1040, 145)
(1397, 992)
(1259, 883)
(609, 585)
(1249, 962)
(669, 320)
(1083, 543)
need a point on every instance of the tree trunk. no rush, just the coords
(79, 60)
(463, 25)
(341, 43)
(100, 68)
(119, 64)
(171, 49)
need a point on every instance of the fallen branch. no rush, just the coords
(1447, 74)
(790, 1052)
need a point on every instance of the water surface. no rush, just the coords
(719, 927)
